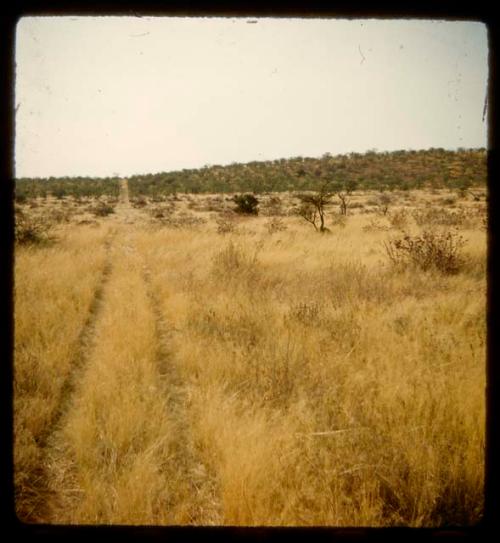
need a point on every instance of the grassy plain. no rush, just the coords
(176, 363)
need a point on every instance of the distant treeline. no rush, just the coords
(60, 187)
(371, 170)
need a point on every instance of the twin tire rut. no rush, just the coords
(200, 486)
(79, 362)
(197, 501)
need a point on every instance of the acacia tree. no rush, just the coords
(343, 191)
(313, 207)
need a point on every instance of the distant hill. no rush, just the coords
(384, 170)
(370, 170)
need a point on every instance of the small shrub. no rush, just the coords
(399, 219)
(213, 204)
(428, 250)
(275, 224)
(274, 207)
(442, 217)
(382, 202)
(235, 262)
(139, 202)
(246, 204)
(225, 225)
(449, 200)
(375, 226)
(60, 215)
(161, 212)
(187, 221)
(103, 210)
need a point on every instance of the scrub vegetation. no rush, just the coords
(178, 362)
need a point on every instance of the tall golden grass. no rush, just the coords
(54, 290)
(267, 379)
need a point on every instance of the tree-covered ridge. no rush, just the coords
(371, 170)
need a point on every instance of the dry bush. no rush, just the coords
(375, 225)
(273, 207)
(157, 212)
(336, 219)
(382, 203)
(448, 201)
(139, 201)
(274, 225)
(226, 224)
(235, 262)
(102, 209)
(182, 221)
(61, 215)
(442, 217)
(157, 198)
(428, 250)
(161, 212)
(31, 230)
(399, 219)
(214, 204)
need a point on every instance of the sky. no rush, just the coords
(105, 96)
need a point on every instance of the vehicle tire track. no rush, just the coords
(84, 343)
(42, 486)
(199, 503)
(124, 195)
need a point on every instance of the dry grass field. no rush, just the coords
(179, 364)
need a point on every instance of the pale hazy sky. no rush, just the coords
(123, 95)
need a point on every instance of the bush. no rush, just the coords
(59, 193)
(139, 202)
(235, 263)
(443, 217)
(383, 202)
(102, 210)
(274, 207)
(158, 213)
(188, 221)
(275, 225)
(399, 219)
(225, 225)
(60, 215)
(428, 250)
(246, 204)
(375, 226)
(449, 200)
(30, 231)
